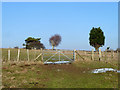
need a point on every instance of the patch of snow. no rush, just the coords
(118, 71)
(103, 70)
(48, 62)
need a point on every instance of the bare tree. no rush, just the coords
(55, 40)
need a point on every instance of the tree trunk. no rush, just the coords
(97, 49)
(55, 48)
(52, 47)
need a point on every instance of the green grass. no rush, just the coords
(76, 75)
(58, 76)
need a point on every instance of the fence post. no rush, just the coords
(105, 55)
(118, 54)
(99, 54)
(9, 55)
(34, 52)
(85, 52)
(59, 55)
(41, 54)
(28, 54)
(92, 54)
(18, 54)
(74, 55)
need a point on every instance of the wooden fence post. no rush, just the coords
(18, 54)
(118, 55)
(85, 53)
(28, 54)
(59, 55)
(99, 54)
(74, 55)
(105, 55)
(41, 54)
(92, 54)
(34, 52)
(9, 55)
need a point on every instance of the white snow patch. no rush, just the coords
(103, 70)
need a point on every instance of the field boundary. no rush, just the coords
(41, 55)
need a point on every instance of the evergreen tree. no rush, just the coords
(32, 43)
(97, 38)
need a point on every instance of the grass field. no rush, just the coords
(34, 74)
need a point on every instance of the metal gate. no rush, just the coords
(57, 57)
